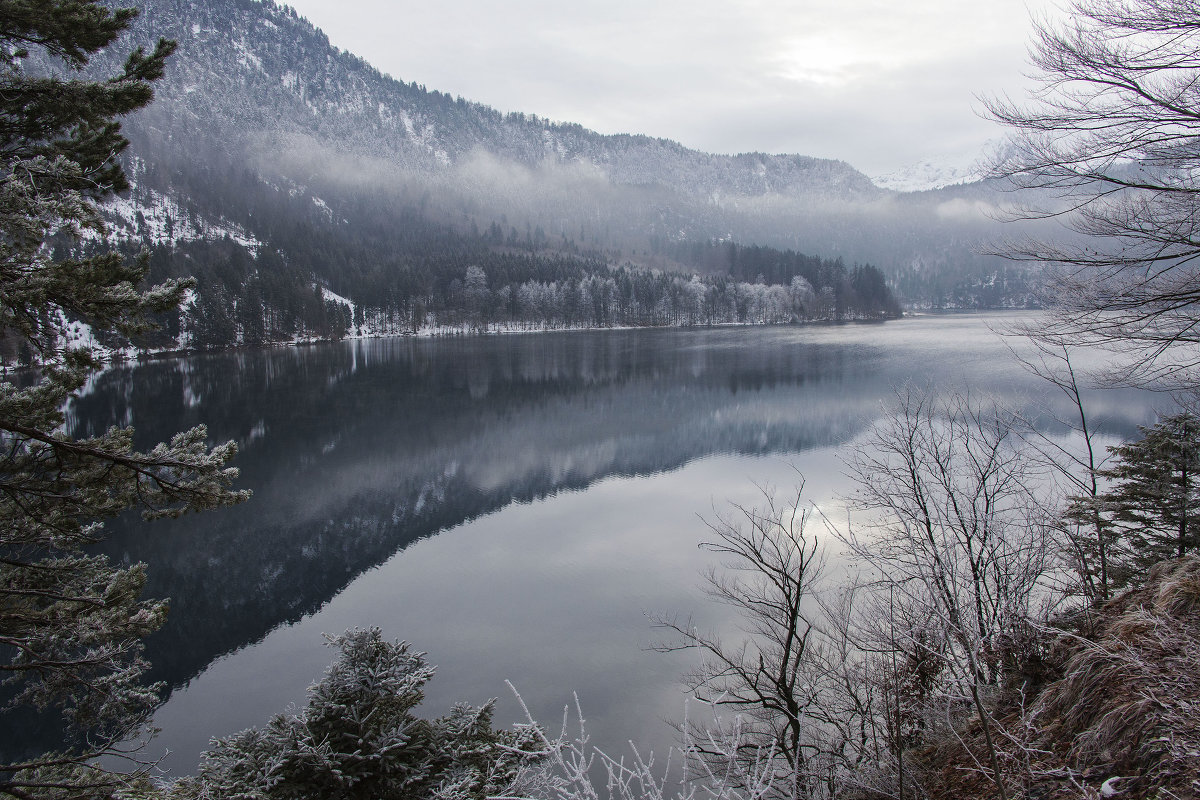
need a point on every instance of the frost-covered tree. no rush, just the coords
(956, 541)
(70, 622)
(1109, 142)
(477, 295)
(358, 738)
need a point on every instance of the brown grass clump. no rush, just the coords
(1120, 720)
(1127, 706)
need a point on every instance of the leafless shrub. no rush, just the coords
(721, 763)
(797, 680)
(954, 538)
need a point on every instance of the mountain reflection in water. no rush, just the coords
(356, 450)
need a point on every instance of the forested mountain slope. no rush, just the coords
(279, 169)
(253, 75)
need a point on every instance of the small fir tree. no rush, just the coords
(1153, 506)
(358, 738)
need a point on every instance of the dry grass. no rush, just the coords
(1128, 704)
(1124, 710)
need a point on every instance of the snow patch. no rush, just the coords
(426, 137)
(77, 335)
(157, 219)
(386, 117)
(337, 298)
(292, 81)
(324, 207)
(247, 57)
(329, 296)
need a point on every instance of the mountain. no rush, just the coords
(254, 75)
(948, 169)
(312, 195)
(254, 83)
(931, 173)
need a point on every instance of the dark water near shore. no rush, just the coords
(512, 505)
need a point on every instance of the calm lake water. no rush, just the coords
(514, 506)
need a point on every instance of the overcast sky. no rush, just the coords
(878, 83)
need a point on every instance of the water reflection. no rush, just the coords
(355, 451)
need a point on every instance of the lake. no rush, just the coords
(515, 506)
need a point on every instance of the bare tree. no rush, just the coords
(796, 680)
(954, 540)
(1086, 536)
(1111, 141)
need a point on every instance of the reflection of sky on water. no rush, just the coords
(552, 595)
(562, 474)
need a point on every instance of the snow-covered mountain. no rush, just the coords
(254, 75)
(929, 174)
(279, 169)
(937, 172)
(947, 169)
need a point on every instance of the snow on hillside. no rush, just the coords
(333, 297)
(155, 218)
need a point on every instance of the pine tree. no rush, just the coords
(1153, 505)
(70, 622)
(358, 738)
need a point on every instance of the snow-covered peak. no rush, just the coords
(938, 172)
(925, 175)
